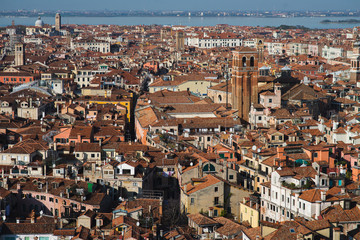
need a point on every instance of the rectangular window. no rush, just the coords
(192, 200)
(216, 200)
(216, 189)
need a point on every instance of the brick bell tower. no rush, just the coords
(244, 80)
(355, 60)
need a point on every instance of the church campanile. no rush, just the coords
(58, 22)
(19, 54)
(244, 80)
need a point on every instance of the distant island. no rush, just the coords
(341, 21)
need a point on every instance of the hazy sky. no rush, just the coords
(181, 4)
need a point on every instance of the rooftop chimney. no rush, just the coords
(323, 196)
(32, 216)
(161, 207)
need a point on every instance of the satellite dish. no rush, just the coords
(279, 168)
(191, 164)
(137, 223)
(41, 212)
(259, 150)
(253, 148)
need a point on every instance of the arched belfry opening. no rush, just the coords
(244, 61)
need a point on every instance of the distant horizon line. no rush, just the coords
(175, 10)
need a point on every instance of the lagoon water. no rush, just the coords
(310, 22)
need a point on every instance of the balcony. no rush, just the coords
(249, 166)
(262, 173)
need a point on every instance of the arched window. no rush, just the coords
(244, 61)
(209, 168)
(252, 61)
(220, 98)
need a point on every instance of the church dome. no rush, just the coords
(39, 22)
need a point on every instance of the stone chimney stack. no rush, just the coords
(225, 176)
